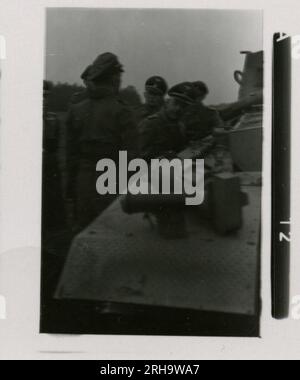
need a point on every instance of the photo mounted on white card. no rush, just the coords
(152, 171)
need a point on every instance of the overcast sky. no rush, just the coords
(179, 45)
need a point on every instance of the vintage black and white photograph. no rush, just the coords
(152, 172)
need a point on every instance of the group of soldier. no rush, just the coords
(99, 125)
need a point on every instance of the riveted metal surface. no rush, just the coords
(120, 258)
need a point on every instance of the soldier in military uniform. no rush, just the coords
(53, 209)
(201, 121)
(204, 125)
(155, 91)
(161, 135)
(97, 128)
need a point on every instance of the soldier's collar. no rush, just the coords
(100, 92)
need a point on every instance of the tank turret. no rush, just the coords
(246, 133)
(251, 78)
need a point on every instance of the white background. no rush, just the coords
(22, 24)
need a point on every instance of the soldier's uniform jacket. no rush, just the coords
(201, 121)
(99, 127)
(160, 136)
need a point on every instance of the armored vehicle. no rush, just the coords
(126, 278)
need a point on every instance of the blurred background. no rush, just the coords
(179, 45)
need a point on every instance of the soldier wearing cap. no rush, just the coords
(201, 121)
(97, 128)
(155, 91)
(161, 135)
(53, 215)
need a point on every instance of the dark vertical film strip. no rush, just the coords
(281, 176)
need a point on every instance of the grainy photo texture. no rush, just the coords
(152, 172)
